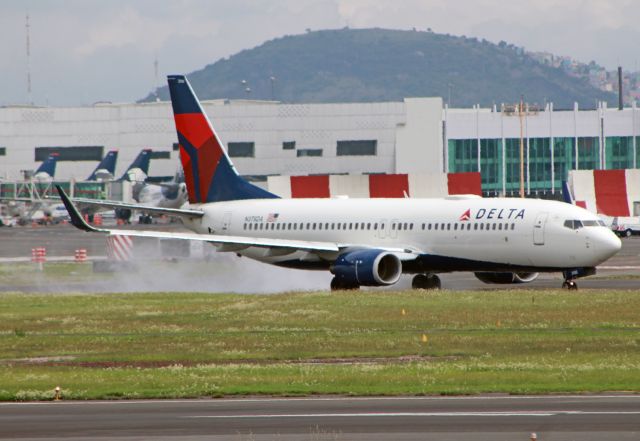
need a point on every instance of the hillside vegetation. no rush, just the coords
(365, 65)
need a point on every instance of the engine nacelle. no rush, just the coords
(506, 278)
(369, 267)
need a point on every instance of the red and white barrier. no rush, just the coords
(39, 255)
(607, 192)
(80, 255)
(375, 186)
(119, 248)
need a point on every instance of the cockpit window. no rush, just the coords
(573, 224)
(601, 223)
(590, 223)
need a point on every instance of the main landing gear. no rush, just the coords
(570, 284)
(426, 281)
(340, 285)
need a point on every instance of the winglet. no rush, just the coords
(76, 218)
(566, 193)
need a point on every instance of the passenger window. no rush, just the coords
(513, 227)
(333, 226)
(411, 226)
(368, 226)
(448, 226)
(499, 226)
(423, 225)
(468, 227)
(429, 226)
(494, 226)
(362, 226)
(455, 226)
(475, 226)
(375, 226)
(435, 226)
(326, 225)
(393, 226)
(442, 226)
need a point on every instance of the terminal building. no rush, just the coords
(418, 136)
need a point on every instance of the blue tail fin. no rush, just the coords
(107, 167)
(48, 166)
(209, 174)
(140, 163)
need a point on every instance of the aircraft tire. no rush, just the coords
(338, 285)
(426, 281)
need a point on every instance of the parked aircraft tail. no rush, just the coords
(141, 163)
(48, 166)
(209, 173)
(106, 168)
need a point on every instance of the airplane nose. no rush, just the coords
(608, 245)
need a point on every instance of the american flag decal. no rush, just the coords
(272, 217)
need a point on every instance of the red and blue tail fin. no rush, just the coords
(208, 171)
(106, 167)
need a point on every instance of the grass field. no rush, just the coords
(193, 345)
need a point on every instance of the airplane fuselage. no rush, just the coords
(458, 234)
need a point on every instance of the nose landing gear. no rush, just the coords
(571, 275)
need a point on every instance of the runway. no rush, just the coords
(496, 418)
(247, 276)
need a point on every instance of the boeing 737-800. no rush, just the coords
(371, 242)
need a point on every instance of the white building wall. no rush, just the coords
(419, 139)
(409, 134)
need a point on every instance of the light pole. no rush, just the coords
(272, 79)
(245, 86)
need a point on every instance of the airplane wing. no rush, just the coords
(232, 243)
(179, 212)
(228, 243)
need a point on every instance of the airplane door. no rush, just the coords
(538, 229)
(226, 221)
(382, 231)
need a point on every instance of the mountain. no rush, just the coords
(365, 65)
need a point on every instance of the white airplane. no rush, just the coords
(371, 242)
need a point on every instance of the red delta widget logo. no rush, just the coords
(494, 213)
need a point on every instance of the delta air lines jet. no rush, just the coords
(370, 242)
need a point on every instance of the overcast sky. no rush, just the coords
(83, 51)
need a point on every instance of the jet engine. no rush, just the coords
(367, 267)
(506, 278)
